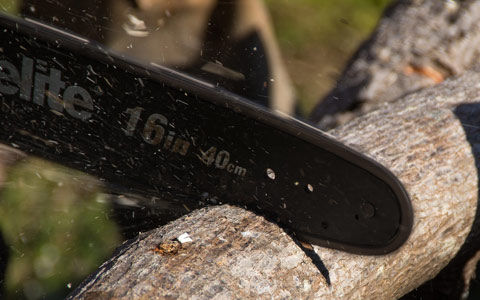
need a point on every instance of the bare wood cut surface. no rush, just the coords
(427, 139)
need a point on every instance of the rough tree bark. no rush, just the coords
(428, 139)
(417, 43)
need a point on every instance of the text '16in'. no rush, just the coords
(154, 132)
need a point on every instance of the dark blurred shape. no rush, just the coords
(87, 17)
(212, 40)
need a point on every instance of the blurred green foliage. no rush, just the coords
(318, 37)
(55, 222)
(10, 6)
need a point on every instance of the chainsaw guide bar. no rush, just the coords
(184, 143)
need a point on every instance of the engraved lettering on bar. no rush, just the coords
(38, 80)
(154, 133)
(220, 160)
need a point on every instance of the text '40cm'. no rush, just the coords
(154, 133)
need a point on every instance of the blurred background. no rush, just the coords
(56, 226)
(55, 220)
(318, 37)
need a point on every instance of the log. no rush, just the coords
(428, 139)
(417, 44)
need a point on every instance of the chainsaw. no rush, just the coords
(182, 142)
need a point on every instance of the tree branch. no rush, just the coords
(417, 44)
